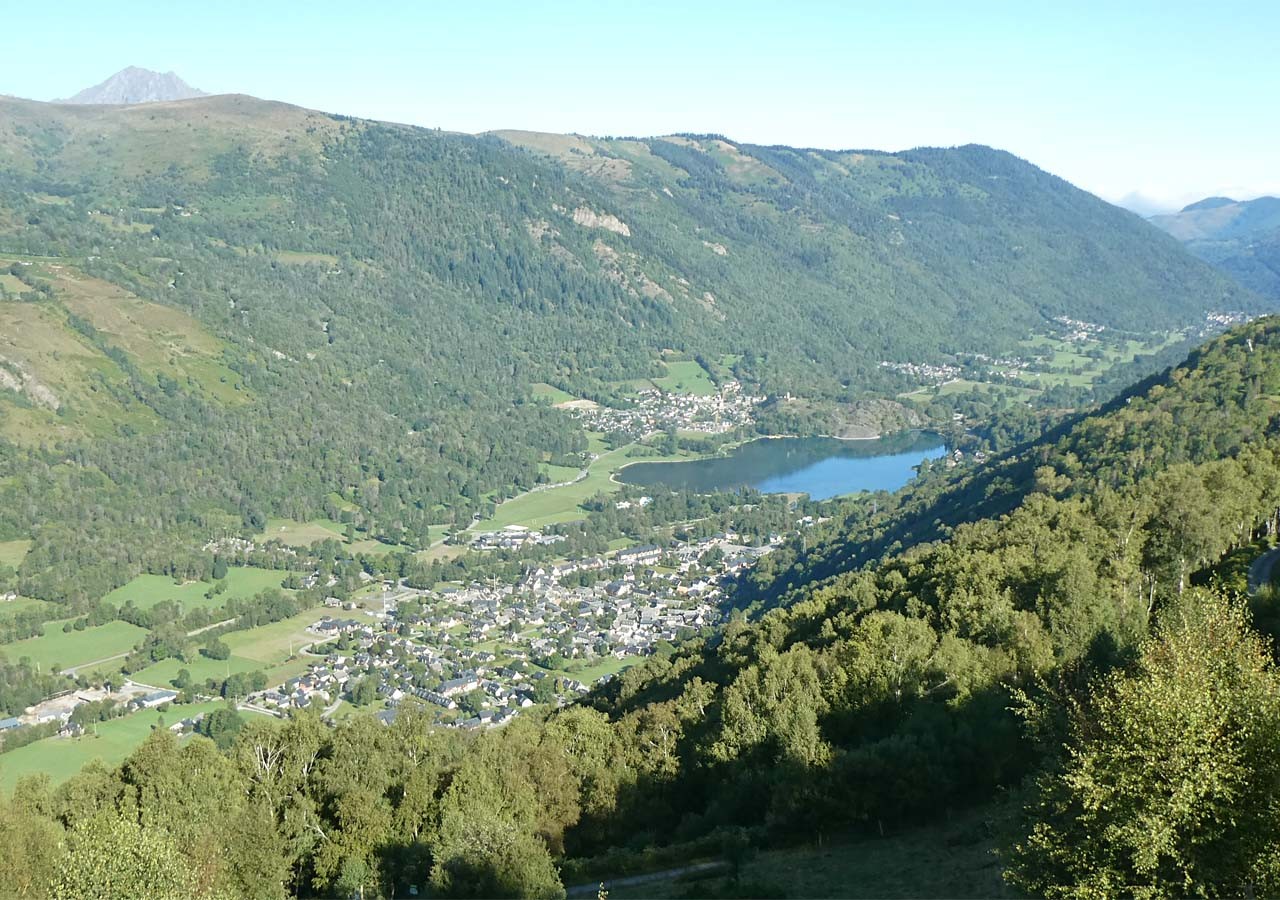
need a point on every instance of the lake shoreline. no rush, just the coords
(727, 448)
(725, 452)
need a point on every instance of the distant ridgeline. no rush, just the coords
(1242, 238)
(234, 309)
(1059, 581)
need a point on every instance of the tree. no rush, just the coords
(485, 855)
(217, 649)
(364, 691)
(1170, 780)
(221, 726)
(112, 856)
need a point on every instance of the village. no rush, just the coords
(478, 654)
(655, 410)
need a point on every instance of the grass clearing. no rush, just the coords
(558, 474)
(302, 258)
(686, 377)
(111, 742)
(12, 553)
(551, 394)
(608, 666)
(303, 534)
(242, 582)
(202, 668)
(64, 649)
(20, 604)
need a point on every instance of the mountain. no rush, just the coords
(1242, 238)
(134, 85)
(248, 310)
(1208, 203)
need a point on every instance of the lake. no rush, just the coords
(819, 467)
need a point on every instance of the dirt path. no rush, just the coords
(196, 631)
(586, 890)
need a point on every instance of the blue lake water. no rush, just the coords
(819, 467)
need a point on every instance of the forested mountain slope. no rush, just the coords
(879, 696)
(358, 310)
(1242, 238)
(1222, 401)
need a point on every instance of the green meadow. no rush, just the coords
(686, 377)
(145, 591)
(75, 648)
(12, 553)
(304, 534)
(563, 504)
(266, 648)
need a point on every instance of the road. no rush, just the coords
(71, 670)
(1260, 571)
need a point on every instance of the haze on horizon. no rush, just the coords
(1148, 104)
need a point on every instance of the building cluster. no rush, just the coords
(1216, 321)
(1077, 330)
(129, 697)
(925, 372)
(513, 537)
(480, 653)
(654, 410)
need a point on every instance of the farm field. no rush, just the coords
(1060, 362)
(75, 648)
(242, 581)
(60, 758)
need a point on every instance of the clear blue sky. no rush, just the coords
(1173, 100)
